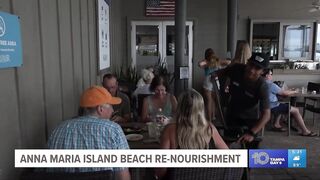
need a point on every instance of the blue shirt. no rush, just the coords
(209, 70)
(87, 132)
(273, 91)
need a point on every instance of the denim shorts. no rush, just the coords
(207, 84)
(281, 109)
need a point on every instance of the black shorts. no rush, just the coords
(281, 109)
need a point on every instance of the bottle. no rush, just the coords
(159, 115)
(303, 90)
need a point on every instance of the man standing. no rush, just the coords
(93, 130)
(249, 103)
(121, 111)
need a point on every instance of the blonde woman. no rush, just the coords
(191, 129)
(243, 52)
(210, 64)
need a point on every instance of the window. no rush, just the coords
(297, 42)
(265, 38)
(317, 48)
(285, 40)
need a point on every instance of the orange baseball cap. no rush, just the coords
(97, 95)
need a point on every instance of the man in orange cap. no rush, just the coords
(92, 130)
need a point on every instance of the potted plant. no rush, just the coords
(127, 78)
(161, 69)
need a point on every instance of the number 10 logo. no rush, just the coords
(260, 158)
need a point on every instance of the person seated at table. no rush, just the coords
(143, 90)
(122, 112)
(191, 129)
(147, 77)
(161, 104)
(142, 81)
(92, 130)
(282, 108)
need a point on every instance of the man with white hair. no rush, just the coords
(146, 77)
(92, 130)
(143, 86)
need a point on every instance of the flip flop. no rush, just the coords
(311, 134)
(279, 129)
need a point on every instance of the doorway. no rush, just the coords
(152, 41)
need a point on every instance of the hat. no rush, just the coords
(260, 59)
(97, 95)
(147, 75)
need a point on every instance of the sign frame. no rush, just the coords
(103, 34)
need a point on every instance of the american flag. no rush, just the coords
(157, 8)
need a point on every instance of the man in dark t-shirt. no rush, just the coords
(249, 102)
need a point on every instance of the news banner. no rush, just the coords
(253, 158)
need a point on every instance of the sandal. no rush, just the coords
(279, 129)
(311, 134)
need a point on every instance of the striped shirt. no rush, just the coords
(87, 132)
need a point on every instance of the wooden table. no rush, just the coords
(293, 97)
(306, 95)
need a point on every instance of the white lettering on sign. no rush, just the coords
(3, 42)
(12, 43)
(8, 43)
(4, 58)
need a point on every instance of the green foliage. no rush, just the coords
(161, 69)
(127, 74)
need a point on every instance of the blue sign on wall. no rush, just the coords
(10, 41)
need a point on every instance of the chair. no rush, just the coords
(204, 173)
(274, 115)
(31, 174)
(311, 104)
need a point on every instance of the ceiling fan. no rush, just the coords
(315, 6)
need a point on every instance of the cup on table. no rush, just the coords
(153, 130)
(161, 119)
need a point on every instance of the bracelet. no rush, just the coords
(251, 133)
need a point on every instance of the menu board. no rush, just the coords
(104, 34)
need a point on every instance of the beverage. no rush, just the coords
(154, 130)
